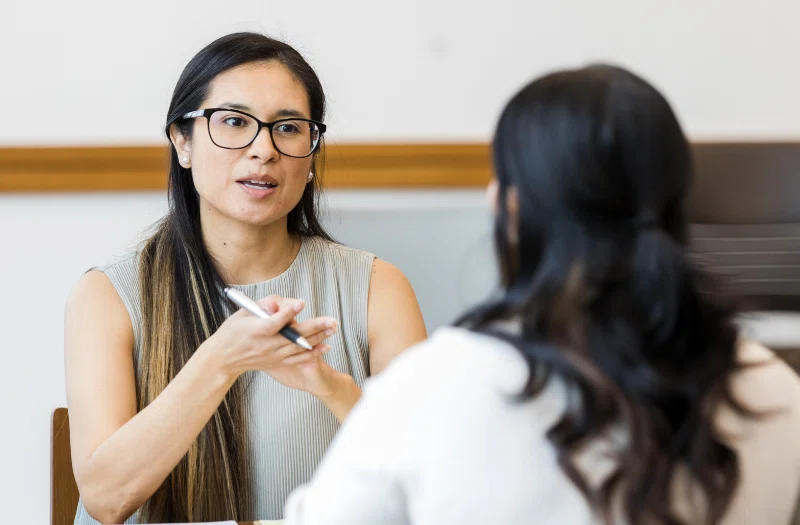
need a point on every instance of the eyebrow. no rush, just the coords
(278, 114)
(234, 105)
(290, 113)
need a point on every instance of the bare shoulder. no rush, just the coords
(764, 381)
(390, 291)
(385, 274)
(91, 283)
(394, 319)
(94, 305)
(769, 392)
(94, 289)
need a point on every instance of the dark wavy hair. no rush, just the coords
(597, 278)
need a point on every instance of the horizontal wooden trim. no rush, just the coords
(141, 168)
(744, 170)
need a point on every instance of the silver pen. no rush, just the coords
(251, 306)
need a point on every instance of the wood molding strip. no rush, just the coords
(743, 169)
(143, 168)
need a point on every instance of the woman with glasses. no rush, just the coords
(181, 409)
(607, 384)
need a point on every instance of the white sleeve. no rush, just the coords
(347, 497)
(361, 478)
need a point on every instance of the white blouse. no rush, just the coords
(437, 439)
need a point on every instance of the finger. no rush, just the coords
(306, 357)
(290, 349)
(313, 330)
(318, 324)
(319, 337)
(287, 348)
(274, 303)
(282, 317)
(271, 303)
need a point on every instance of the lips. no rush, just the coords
(257, 184)
(258, 181)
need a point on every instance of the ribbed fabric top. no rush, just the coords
(289, 430)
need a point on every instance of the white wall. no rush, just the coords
(98, 71)
(417, 70)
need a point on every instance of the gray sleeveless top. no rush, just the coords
(289, 430)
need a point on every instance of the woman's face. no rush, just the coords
(256, 185)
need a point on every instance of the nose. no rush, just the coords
(262, 147)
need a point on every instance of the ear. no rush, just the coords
(512, 207)
(491, 194)
(312, 170)
(182, 145)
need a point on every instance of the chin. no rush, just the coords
(253, 217)
(257, 220)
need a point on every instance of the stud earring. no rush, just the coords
(310, 176)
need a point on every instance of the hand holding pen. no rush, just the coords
(267, 341)
(251, 306)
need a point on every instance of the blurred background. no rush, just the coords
(77, 77)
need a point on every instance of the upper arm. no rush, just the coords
(770, 390)
(98, 358)
(394, 320)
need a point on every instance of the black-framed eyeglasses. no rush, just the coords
(234, 129)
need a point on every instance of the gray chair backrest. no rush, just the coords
(745, 214)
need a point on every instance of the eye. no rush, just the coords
(287, 128)
(234, 121)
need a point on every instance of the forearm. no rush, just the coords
(343, 396)
(128, 467)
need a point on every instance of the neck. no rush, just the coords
(247, 254)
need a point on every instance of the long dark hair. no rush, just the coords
(597, 279)
(182, 301)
